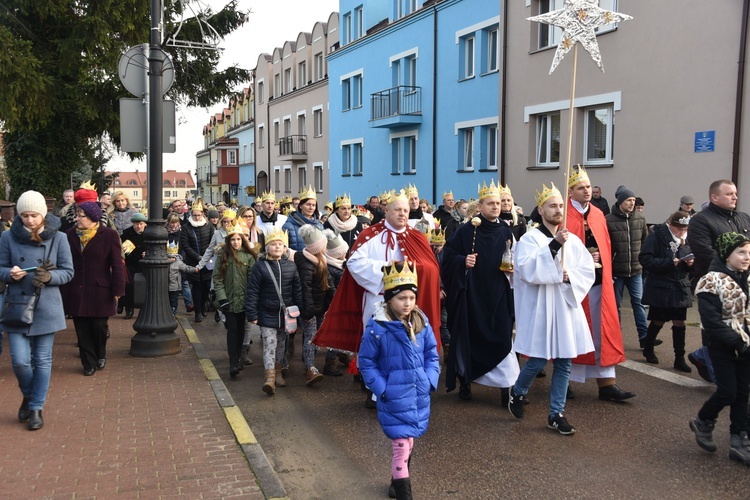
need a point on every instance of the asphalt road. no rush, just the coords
(323, 443)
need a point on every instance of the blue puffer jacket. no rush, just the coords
(401, 374)
(295, 221)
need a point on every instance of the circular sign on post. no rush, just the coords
(133, 70)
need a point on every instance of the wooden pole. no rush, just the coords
(571, 114)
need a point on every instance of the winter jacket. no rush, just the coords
(627, 232)
(336, 273)
(666, 285)
(176, 268)
(232, 285)
(193, 243)
(99, 275)
(262, 300)
(315, 301)
(133, 259)
(348, 236)
(121, 218)
(723, 306)
(709, 224)
(444, 215)
(401, 374)
(208, 260)
(17, 249)
(295, 221)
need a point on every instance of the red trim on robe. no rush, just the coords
(612, 350)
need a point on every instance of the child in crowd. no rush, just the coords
(273, 276)
(234, 262)
(176, 268)
(437, 242)
(399, 363)
(724, 309)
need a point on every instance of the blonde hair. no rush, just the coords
(118, 194)
(414, 323)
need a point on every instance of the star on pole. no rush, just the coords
(579, 19)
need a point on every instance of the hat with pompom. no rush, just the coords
(336, 246)
(315, 240)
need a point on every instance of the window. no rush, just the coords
(318, 170)
(288, 79)
(276, 132)
(346, 95)
(261, 136)
(489, 147)
(301, 125)
(276, 178)
(358, 22)
(302, 176)
(466, 45)
(302, 74)
(351, 92)
(492, 52)
(346, 166)
(287, 179)
(318, 122)
(598, 136)
(287, 127)
(318, 66)
(357, 159)
(347, 28)
(277, 85)
(167, 193)
(404, 151)
(232, 157)
(135, 194)
(549, 35)
(351, 159)
(548, 140)
(174, 194)
(405, 7)
(467, 149)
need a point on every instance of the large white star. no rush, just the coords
(579, 19)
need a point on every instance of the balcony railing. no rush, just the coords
(293, 147)
(402, 104)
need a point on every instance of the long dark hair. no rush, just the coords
(228, 250)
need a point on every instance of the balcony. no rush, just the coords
(396, 107)
(293, 147)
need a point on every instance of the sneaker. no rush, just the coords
(703, 430)
(737, 449)
(560, 424)
(515, 403)
(702, 369)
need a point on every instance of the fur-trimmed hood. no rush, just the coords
(19, 232)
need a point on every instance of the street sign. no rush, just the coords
(705, 141)
(133, 70)
(134, 125)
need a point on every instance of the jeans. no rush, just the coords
(635, 290)
(558, 390)
(31, 358)
(732, 389)
(187, 295)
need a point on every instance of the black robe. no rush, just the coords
(479, 300)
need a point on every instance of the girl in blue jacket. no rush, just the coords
(399, 363)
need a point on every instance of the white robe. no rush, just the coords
(550, 322)
(366, 267)
(268, 227)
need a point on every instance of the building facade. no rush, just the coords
(176, 186)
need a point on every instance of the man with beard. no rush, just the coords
(589, 224)
(446, 211)
(268, 219)
(419, 220)
(550, 284)
(480, 301)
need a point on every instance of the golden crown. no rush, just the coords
(288, 209)
(88, 185)
(578, 174)
(197, 205)
(392, 277)
(229, 214)
(173, 248)
(397, 195)
(268, 195)
(491, 190)
(437, 223)
(307, 193)
(411, 190)
(286, 200)
(342, 200)
(546, 194)
(384, 196)
(447, 194)
(504, 190)
(277, 234)
(235, 228)
(437, 237)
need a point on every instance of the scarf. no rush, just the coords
(333, 261)
(416, 214)
(456, 216)
(340, 226)
(85, 235)
(196, 223)
(312, 258)
(173, 231)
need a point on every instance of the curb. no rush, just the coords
(269, 482)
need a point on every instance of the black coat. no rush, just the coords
(706, 226)
(133, 259)
(262, 300)
(193, 244)
(315, 301)
(666, 285)
(716, 334)
(336, 273)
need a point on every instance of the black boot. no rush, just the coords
(129, 312)
(403, 488)
(35, 420)
(678, 341)
(23, 411)
(198, 317)
(648, 348)
(392, 487)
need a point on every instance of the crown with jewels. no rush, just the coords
(268, 195)
(447, 194)
(437, 237)
(277, 234)
(173, 248)
(411, 190)
(491, 190)
(342, 200)
(578, 175)
(197, 205)
(307, 193)
(397, 195)
(393, 278)
(546, 194)
(384, 196)
(235, 228)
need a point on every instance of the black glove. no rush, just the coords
(41, 277)
(224, 305)
(744, 353)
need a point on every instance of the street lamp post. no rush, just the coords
(155, 326)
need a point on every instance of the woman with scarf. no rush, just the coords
(122, 212)
(34, 254)
(98, 283)
(249, 220)
(343, 222)
(194, 240)
(134, 252)
(307, 213)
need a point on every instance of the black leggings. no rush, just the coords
(200, 294)
(235, 336)
(732, 389)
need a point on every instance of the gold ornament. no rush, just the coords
(578, 174)
(343, 200)
(235, 228)
(307, 193)
(546, 194)
(491, 190)
(476, 221)
(393, 278)
(197, 205)
(277, 234)
(437, 237)
(384, 196)
(268, 195)
(397, 196)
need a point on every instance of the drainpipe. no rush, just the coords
(738, 100)
(434, 102)
(503, 92)
(268, 143)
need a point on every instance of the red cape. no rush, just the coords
(342, 325)
(612, 351)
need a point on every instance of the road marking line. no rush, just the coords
(192, 336)
(209, 369)
(239, 425)
(665, 375)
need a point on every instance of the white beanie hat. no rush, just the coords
(336, 247)
(315, 240)
(31, 201)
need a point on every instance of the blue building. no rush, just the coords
(413, 93)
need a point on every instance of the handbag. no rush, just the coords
(18, 310)
(291, 313)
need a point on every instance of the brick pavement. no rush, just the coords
(141, 428)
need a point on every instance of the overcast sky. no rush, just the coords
(271, 23)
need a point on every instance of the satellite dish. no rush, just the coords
(133, 71)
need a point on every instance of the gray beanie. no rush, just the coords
(31, 201)
(623, 194)
(315, 240)
(336, 247)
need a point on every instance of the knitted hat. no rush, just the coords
(213, 214)
(31, 201)
(315, 240)
(623, 194)
(727, 242)
(138, 217)
(92, 210)
(83, 195)
(336, 246)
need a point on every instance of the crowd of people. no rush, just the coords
(384, 288)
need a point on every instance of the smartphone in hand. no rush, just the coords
(689, 256)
